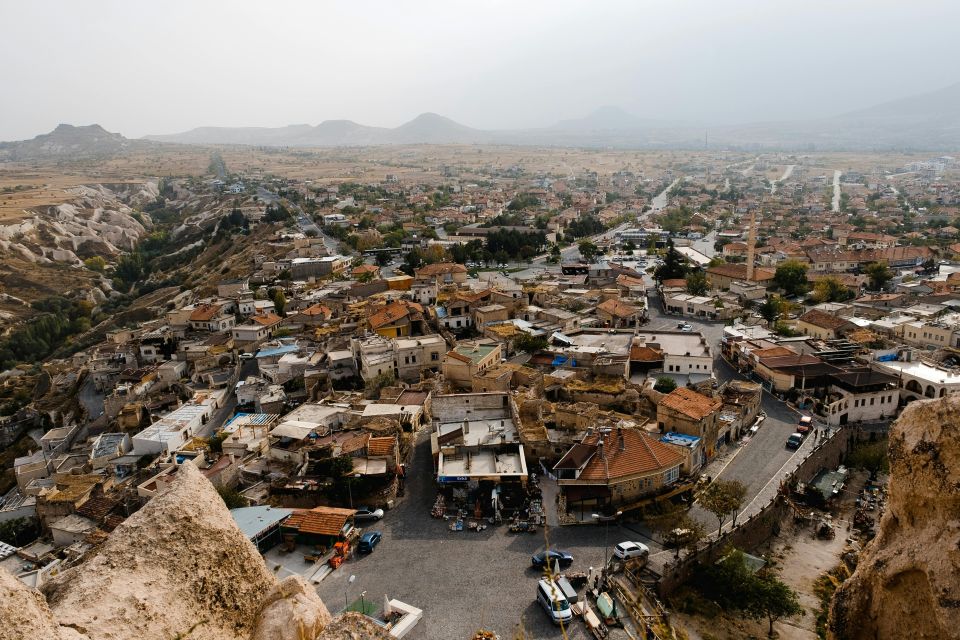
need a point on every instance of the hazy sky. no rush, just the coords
(142, 67)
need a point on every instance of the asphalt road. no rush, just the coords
(224, 413)
(91, 399)
(758, 462)
(463, 581)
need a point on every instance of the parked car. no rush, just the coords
(540, 560)
(626, 550)
(685, 327)
(368, 513)
(794, 441)
(804, 424)
(246, 356)
(368, 541)
(554, 604)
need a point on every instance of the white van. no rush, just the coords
(551, 599)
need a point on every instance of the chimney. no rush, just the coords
(751, 241)
(623, 444)
(466, 426)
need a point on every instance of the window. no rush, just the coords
(434, 356)
(671, 475)
(871, 402)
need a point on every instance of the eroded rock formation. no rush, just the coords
(178, 568)
(907, 582)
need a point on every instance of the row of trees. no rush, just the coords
(791, 277)
(39, 337)
(584, 226)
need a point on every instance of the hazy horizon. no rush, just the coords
(142, 70)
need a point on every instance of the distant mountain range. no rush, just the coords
(70, 141)
(929, 121)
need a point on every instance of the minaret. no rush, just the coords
(751, 241)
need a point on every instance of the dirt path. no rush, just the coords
(803, 558)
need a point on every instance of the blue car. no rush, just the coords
(539, 560)
(368, 541)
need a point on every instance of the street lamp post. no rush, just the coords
(606, 531)
(347, 588)
(356, 476)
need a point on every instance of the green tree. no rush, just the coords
(879, 274)
(555, 254)
(674, 266)
(830, 289)
(232, 498)
(678, 530)
(791, 276)
(771, 308)
(588, 250)
(722, 498)
(279, 300)
(697, 283)
(772, 599)
(19, 532)
(629, 247)
(376, 385)
(96, 263)
(528, 343)
(664, 384)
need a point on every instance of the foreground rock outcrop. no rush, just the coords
(178, 568)
(907, 582)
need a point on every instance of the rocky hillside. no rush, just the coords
(907, 581)
(41, 253)
(92, 220)
(178, 568)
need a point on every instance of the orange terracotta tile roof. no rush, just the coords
(267, 319)
(627, 281)
(617, 308)
(381, 446)
(324, 521)
(640, 455)
(823, 320)
(774, 352)
(392, 313)
(354, 443)
(690, 403)
(441, 268)
(365, 268)
(739, 272)
(643, 353)
(205, 312)
(317, 310)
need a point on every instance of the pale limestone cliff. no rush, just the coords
(178, 568)
(907, 581)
